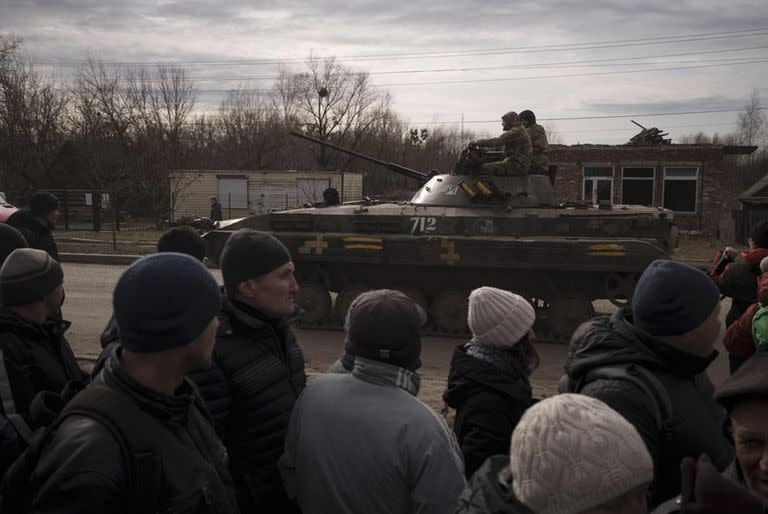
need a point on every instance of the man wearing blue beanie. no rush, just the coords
(648, 361)
(166, 306)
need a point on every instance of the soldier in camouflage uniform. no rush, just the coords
(539, 143)
(516, 146)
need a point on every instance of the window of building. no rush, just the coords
(598, 184)
(681, 187)
(637, 186)
(233, 192)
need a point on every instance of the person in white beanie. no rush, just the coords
(488, 381)
(569, 454)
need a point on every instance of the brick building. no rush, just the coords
(691, 180)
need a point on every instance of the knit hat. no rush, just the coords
(760, 328)
(764, 265)
(570, 453)
(10, 240)
(163, 301)
(182, 240)
(749, 381)
(41, 204)
(672, 298)
(385, 325)
(249, 254)
(499, 318)
(28, 276)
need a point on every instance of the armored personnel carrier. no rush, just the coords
(461, 231)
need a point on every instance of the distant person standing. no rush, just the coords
(539, 143)
(216, 214)
(38, 222)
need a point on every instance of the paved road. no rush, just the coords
(89, 306)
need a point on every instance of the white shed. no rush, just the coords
(242, 193)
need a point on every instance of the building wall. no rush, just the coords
(265, 189)
(711, 208)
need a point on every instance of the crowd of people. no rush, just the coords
(199, 401)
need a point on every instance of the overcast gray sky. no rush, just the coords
(725, 53)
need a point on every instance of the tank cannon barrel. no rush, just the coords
(402, 170)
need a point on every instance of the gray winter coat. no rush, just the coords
(380, 450)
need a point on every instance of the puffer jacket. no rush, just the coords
(257, 376)
(739, 281)
(84, 470)
(697, 425)
(37, 358)
(38, 236)
(486, 493)
(738, 338)
(489, 403)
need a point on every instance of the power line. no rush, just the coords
(592, 74)
(581, 118)
(512, 79)
(576, 64)
(443, 54)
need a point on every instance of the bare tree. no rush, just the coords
(250, 129)
(32, 114)
(554, 137)
(330, 101)
(751, 125)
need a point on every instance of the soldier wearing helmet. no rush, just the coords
(516, 147)
(539, 143)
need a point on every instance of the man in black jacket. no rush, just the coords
(258, 370)
(37, 223)
(36, 356)
(166, 306)
(666, 340)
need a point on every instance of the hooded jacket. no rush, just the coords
(487, 493)
(698, 421)
(489, 403)
(738, 338)
(37, 235)
(256, 378)
(83, 468)
(739, 282)
(37, 358)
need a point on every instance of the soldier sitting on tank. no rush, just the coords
(539, 143)
(516, 148)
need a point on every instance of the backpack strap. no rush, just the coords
(646, 382)
(134, 430)
(9, 405)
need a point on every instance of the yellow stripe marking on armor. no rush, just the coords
(363, 240)
(363, 247)
(607, 254)
(607, 246)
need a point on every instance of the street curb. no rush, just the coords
(99, 258)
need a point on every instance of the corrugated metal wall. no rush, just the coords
(266, 190)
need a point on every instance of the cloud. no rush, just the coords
(188, 31)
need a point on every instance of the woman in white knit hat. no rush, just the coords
(488, 381)
(569, 454)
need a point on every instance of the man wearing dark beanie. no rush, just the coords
(178, 240)
(363, 442)
(10, 240)
(648, 362)
(37, 222)
(166, 305)
(35, 353)
(258, 369)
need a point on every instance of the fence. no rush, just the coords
(82, 209)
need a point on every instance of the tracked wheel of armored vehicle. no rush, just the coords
(459, 232)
